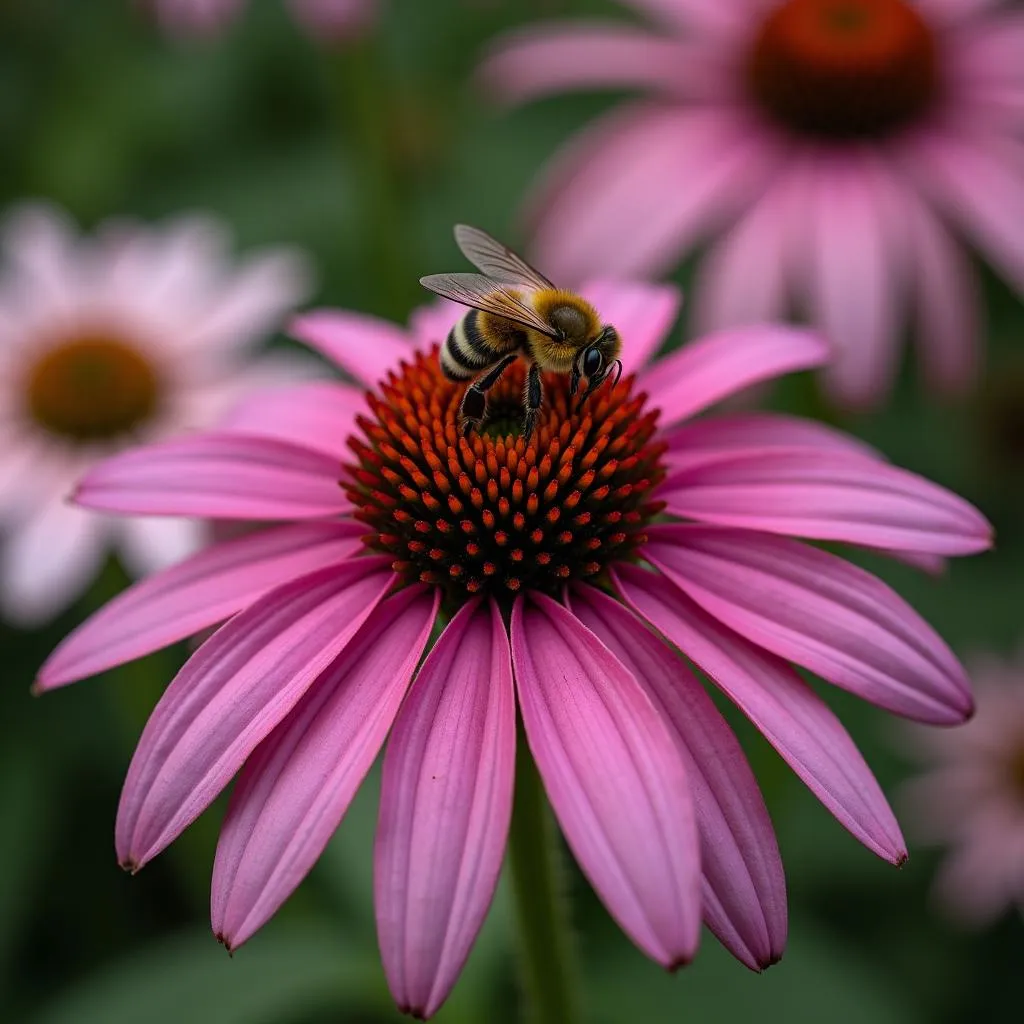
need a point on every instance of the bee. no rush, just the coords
(516, 312)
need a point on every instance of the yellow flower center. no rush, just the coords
(92, 388)
(844, 69)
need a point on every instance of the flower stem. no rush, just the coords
(365, 104)
(546, 951)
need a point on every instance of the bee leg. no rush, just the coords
(532, 398)
(593, 385)
(473, 407)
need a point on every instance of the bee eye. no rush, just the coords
(592, 362)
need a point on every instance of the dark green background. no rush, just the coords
(365, 157)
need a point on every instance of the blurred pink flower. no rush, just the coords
(129, 336)
(330, 19)
(972, 798)
(837, 148)
(563, 585)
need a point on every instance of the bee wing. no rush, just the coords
(485, 293)
(496, 260)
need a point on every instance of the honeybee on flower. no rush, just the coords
(515, 311)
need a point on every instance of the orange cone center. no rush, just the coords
(844, 69)
(92, 389)
(488, 512)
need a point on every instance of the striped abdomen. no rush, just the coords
(477, 341)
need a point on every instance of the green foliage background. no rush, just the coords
(365, 156)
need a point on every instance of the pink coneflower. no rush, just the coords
(131, 335)
(562, 572)
(972, 799)
(837, 147)
(330, 19)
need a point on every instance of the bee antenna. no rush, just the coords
(618, 372)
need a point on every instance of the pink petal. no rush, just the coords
(232, 693)
(819, 611)
(855, 270)
(41, 245)
(445, 808)
(614, 775)
(784, 708)
(980, 182)
(200, 592)
(948, 302)
(319, 416)
(252, 301)
(559, 56)
(364, 346)
(743, 279)
(148, 544)
(955, 10)
(642, 314)
(48, 561)
(635, 191)
(692, 15)
(827, 495)
(429, 325)
(744, 889)
(296, 787)
(722, 436)
(720, 365)
(223, 476)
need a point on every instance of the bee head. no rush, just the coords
(570, 322)
(596, 360)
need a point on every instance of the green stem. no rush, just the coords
(365, 105)
(541, 909)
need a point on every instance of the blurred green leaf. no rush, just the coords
(819, 979)
(280, 976)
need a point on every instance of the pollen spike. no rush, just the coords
(480, 513)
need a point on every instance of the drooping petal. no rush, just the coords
(614, 775)
(641, 313)
(223, 476)
(981, 185)
(296, 787)
(446, 804)
(611, 204)
(827, 495)
(231, 693)
(744, 889)
(364, 346)
(742, 280)
(854, 285)
(560, 56)
(189, 597)
(819, 611)
(948, 303)
(722, 364)
(784, 708)
(319, 416)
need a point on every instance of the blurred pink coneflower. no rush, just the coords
(564, 573)
(972, 798)
(330, 19)
(837, 151)
(128, 336)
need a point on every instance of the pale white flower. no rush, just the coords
(130, 335)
